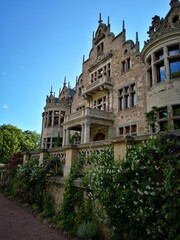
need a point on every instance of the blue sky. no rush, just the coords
(42, 41)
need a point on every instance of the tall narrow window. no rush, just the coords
(176, 116)
(134, 129)
(127, 129)
(150, 81)
(128, 63)
(163, 123)
(121, 103)
(123, 67)
(133, 95)
(161, 74)
(174, 67)
(127, 97)
(121, 131)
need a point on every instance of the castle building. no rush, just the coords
(121, 90)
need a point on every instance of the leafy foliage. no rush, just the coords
(75, 208)
(31, 184)
(86, 230)
(14, 140)
(140, 195)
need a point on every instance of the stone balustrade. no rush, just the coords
(101, 82)
(88, 112)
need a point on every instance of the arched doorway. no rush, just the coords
(99, 137)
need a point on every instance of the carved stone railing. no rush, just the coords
(35, 156)
(60, 154)
(89, 112)
(102, 82)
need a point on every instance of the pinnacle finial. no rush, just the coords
(51, 91)
(137, 43)
(83, 58)
(137, 38)
(100, 20)
(108, 20)
(123, 25)
(64, 81)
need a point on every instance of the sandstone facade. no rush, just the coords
(121, 91)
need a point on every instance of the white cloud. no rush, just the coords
(5, 106)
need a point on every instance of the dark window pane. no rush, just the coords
(163, 126)
(134, 128)
(121, 131)
(127, 129)
(176, 124)
(163, 113)
(176, 110)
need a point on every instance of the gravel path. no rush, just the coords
(17, 224)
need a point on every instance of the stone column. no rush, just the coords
(51, 142)
(154, 74)
(71, 156)
(26, 156)
(43, 154)
(64, 137)
(110, 101)
(120, 148)
(166, 63)
(87, 133)
(82, 133)
(52, 123)
(67, 136)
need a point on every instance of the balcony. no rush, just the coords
(88, 113)
(103, 82)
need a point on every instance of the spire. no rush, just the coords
(64, 81)
(83, 58)
(51, 91)
(100, 20)
(137, 38)
(76, 79)
(123, 26)
(137, 43)
(59, 91)
(123, 32)
(108, 21)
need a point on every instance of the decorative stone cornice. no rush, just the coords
(163, 25)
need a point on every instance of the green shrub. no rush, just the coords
(86, 230)
(141, 194)
(31, 183)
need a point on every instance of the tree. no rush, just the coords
(32, 139)
(13, 140)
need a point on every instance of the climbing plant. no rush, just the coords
(140, 195)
